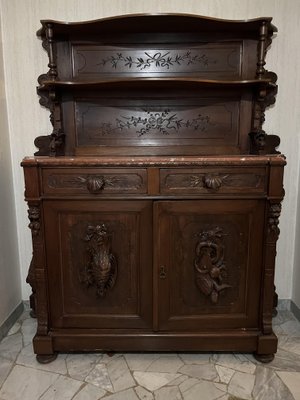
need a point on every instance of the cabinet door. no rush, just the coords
(208, 264)
(99, 262)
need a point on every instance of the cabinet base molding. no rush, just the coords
(229, 341)
(262, 347)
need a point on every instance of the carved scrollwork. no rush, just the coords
(34, 217)
(209, 264)
(101, 267)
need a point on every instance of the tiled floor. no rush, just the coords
(149, 376)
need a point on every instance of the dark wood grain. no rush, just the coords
(154, 201)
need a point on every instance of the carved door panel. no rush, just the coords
(209, 263)
(99, 260)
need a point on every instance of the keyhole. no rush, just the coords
(162, 272)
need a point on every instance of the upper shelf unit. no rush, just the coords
(163, 84)
(157, 45)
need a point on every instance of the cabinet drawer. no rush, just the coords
(213, 180)
(104, 181)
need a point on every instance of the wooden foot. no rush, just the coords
(110, 353)
(264, 358)
(46, 358)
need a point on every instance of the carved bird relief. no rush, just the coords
(101, 268)
(209, 264)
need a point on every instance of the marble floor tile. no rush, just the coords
(28, 359)
(153, 380)
(28, 330)
(143, 394)
(285, 360)
(90, 392)
(80, 365)
(237, 362)
(268, 386)
(166, 363)
(204, 371)
(26, 383)
(203, 390)
(225, 374)
(291, 327)
(11, 346)
(119, 374)
(241, 385)
(63, 388)
(128, 394)
(99, 377)
(195, 358)
(14, 329)
(292, 381)
(168, 393)
(5, 367)
(188, 384)
(291, 344)
(140, 361)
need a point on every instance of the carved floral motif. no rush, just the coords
(209, 263)
(163, 122)
(101, 268)
(157, 59)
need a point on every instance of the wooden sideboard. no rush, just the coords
(154, 203)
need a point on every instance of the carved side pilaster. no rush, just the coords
(37, 274)
(270, 255)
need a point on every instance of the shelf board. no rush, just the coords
(163, 23)
(176, 83)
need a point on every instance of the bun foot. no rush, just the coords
(46, 358)
(264, 358)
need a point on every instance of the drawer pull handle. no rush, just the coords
(162, 272)
(95, 184)
(212, 182)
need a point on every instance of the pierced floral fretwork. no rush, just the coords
(164, 122)
(209, 263)
(101, 267)
(157, 59)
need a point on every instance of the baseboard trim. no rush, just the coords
(295, 310)
(289, 305)
(9, 322)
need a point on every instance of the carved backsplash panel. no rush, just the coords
(217, 60)
(204, 120)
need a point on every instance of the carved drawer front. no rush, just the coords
(221, 180)
(94, 181)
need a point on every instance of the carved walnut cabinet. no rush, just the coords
(154, 202)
